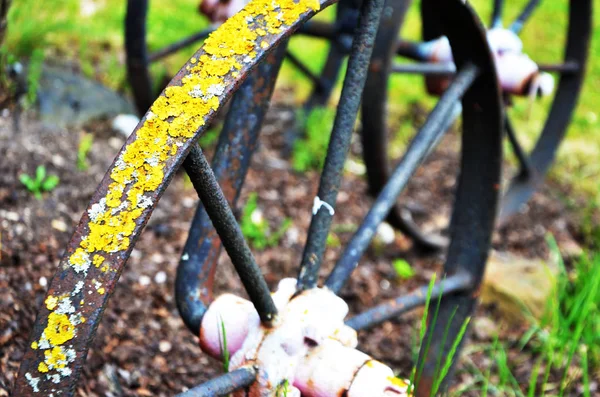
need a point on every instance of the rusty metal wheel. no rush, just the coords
(238, 64)
(532, 166)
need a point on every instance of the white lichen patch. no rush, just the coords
(120, 208)
(76, 319)
(144, 201)
(215, 90)
(65, 306)
(97, 210)
(54, 378)
(43, 343)
(196, 92)
(153, 160)
(33, 382)
(78, 288)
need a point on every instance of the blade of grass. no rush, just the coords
(413, 373)
(452, 353)
(223, 346)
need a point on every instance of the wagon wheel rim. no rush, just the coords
(532, 166)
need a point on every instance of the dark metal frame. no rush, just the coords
(219, 186)
(532, 167)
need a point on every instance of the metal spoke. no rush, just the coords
(395, 307)
(448, 69)
(339, 144)
(412, 50)
(137, 55)
(229, 231)
(427, 69)
(224, 384)
(497, 14)
(305, 70)
(431, 132)
(178, 45)
(518, 24)
(237, 142)
(569, 67)
(524, 162)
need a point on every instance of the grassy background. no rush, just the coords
(90, 33)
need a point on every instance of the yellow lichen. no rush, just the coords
(101, 290)
(51, 302)
(34, 345)
(42, 367)
(59, 329)
(97, 261)
(55, 358)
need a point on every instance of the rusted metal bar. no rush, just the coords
(138, 74)
(237, 142)
(524, 16)
(412, 50)
(339, 144)
(428, 68)
(525, 167)
(448, 69)
(229, 231)
(395, 307)
(224, 384)
(478, 183)
(374, 134)
(568, 67)
(496, 20)
(178, 45)
(129, 191)
(420, 146)
(298, 64)
(345, 23)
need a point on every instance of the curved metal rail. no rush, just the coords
(128, 193)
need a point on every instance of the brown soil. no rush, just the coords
(142, 347)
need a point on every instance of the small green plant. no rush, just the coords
(333, 241)
(309, 153)
(223, 346)
(403, 269)
(40, 183)
(256, 229)
(85, 144)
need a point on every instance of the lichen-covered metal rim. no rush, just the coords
(122, 204)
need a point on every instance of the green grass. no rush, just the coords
(310, 151)
(223, 346)
(564, 346)
(256, 229)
